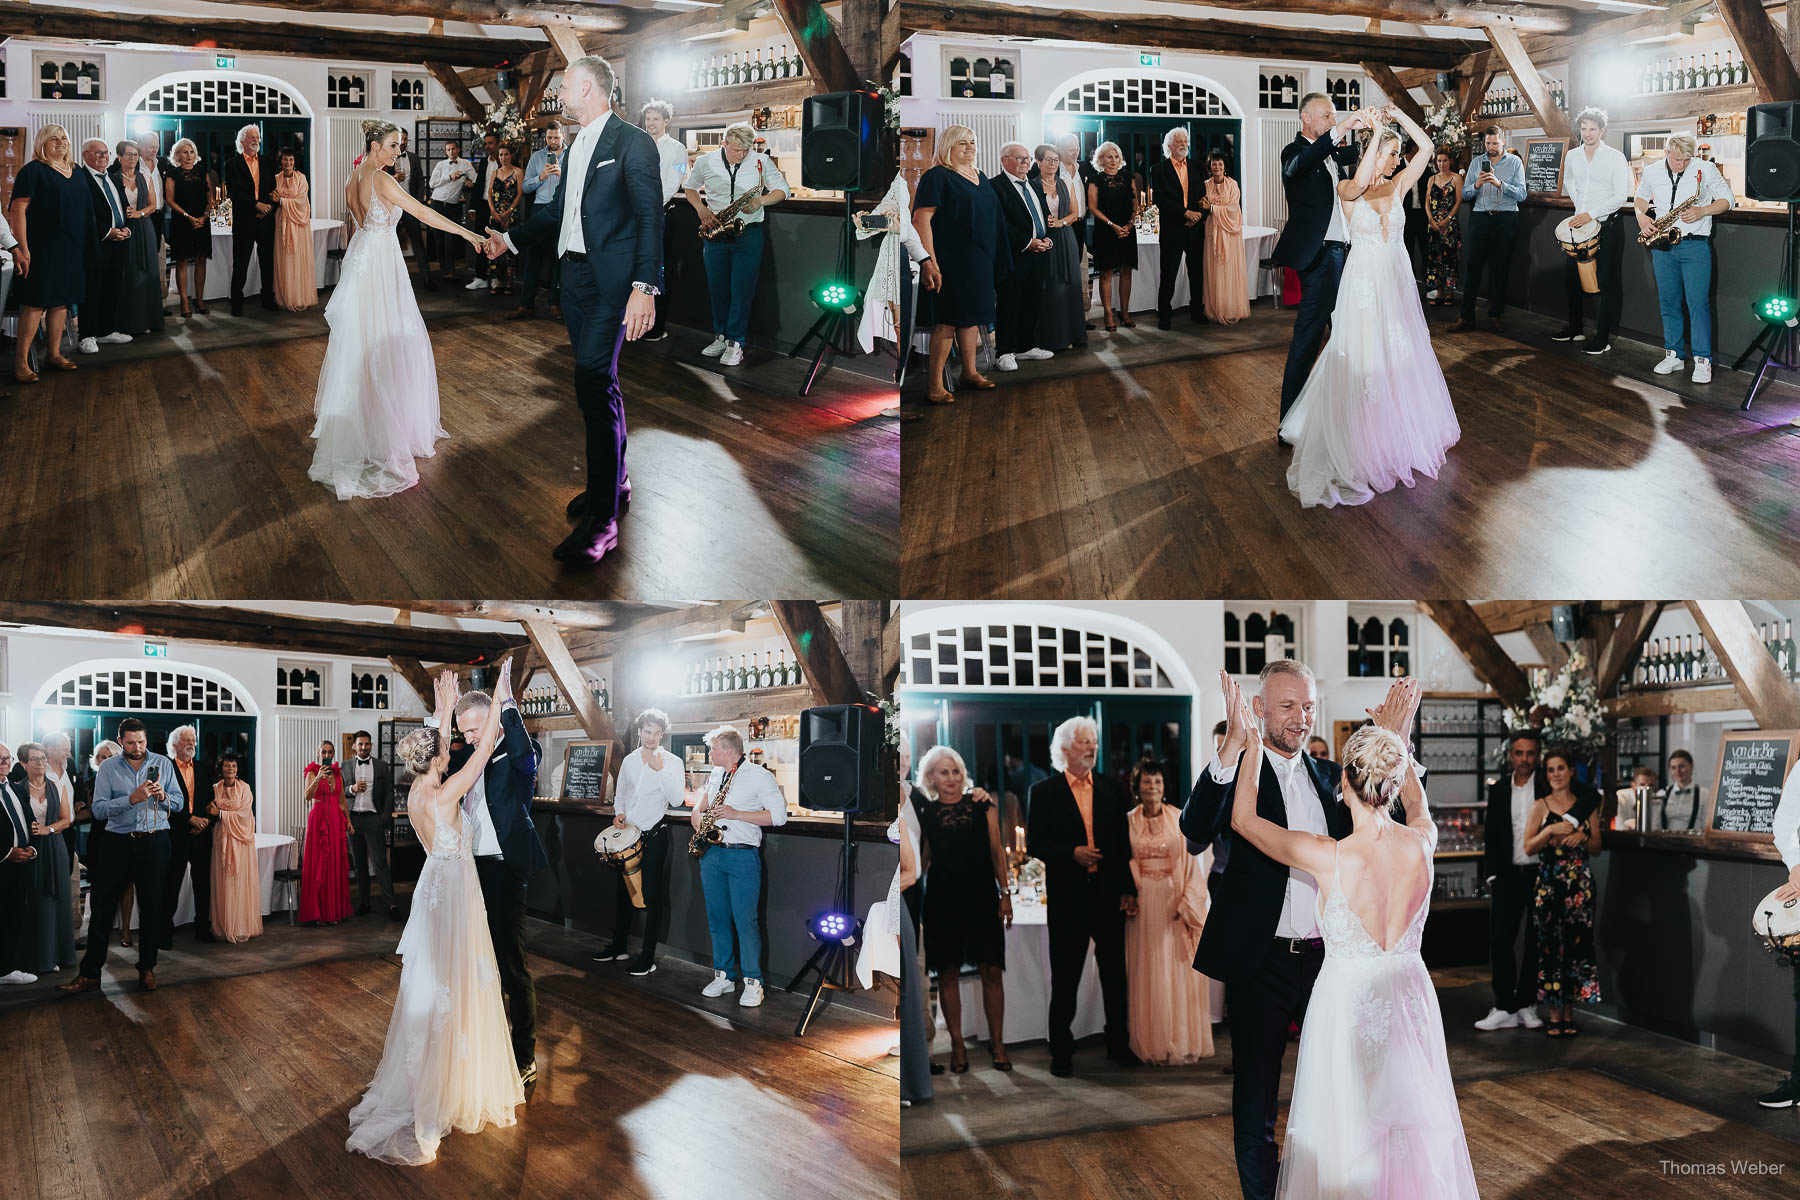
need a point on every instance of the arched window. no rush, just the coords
(1151, 96)
(147, 689)
(1029, 656)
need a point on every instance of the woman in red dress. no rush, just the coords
(325, 858)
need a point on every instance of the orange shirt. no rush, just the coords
(1181, 174)
(186, 771)
(250, 161)
(1084, 800)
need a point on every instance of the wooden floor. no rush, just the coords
(1567, 1133)
(1162, 479)
(241, 1087)
(184, 477)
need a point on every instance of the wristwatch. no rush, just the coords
(645, 288)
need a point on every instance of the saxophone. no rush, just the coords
(1666, 233)
(730, 228)
(708, 834)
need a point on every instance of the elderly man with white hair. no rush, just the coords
(732, 262)
(190, 836)
(1017, 302)
(250, 186)
(1178, 189)
(108, 258)
(1076, 826)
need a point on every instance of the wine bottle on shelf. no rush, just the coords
(1788, 664)
(765, 678)
(743, 675)
(782, 678)
(717, 678)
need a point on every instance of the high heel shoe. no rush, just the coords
(24, 376)
(1111, 327)
(1126, 321)
(1000, 1064)
(62, 364)
(979, 382)
(200, 307)
(185, 312)
(933, 396)
(959, 1068)
(125, 938)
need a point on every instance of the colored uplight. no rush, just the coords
(833, 927)
(1778, 310)
(836, 296)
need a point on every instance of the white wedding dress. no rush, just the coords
(448, 1062)
(1374, 1113)
(1375, 411)
(377, 401)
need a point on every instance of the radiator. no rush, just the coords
(992, 131)
(346, 145)
(80, 125)
(299, 745)
(1275, 133)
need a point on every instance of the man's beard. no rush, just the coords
(138, 757)
(1284, 742)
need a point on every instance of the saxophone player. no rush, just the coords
(718, 181)
(741, 798)
(1684, 270)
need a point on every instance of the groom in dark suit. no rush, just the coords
(507, 852)
(1262, 938)
(610, 250)
(1316, 237)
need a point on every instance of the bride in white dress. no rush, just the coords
(1375, 411)
(1374, 1113)
(377, 400)
(448, 1062)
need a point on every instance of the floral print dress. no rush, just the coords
(1442, 250)
(1562, 921)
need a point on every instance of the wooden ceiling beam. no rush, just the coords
(1553, 652)
(548, 641)
(1677, 17)
(460, 95)
(417, 678)
(570, 14)
(1467, 14)
(570, 614)
(262, 630)
(1530, 84)
(1635, 624)
(1383, 75)
(1481, 78)
(1469, 633)
(1772, 700)
(817, 40)
(976, 17)
(37, 21)
(1764, 49)
(815, 644)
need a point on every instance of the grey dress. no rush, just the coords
(51, 940)
(1062, 316)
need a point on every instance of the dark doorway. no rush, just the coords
(216, 137)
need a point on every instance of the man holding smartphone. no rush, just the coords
(16, 900)
(134, 793)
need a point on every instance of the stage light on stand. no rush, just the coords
(836, 296)
(833, 928)
(1778, 310)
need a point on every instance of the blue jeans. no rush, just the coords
(731, 877)
(1685, 271)
(731, 269)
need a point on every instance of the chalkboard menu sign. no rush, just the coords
(584, 771)
(1752, 767)
(1544, 165)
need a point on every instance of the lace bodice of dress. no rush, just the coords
(446, 840)
(1346, 937)
(1367, 225)
(380, 214)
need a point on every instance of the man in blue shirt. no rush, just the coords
(134, 793)
(1495, 181)
(543, 174)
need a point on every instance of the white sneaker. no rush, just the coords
(1006, 362)
(19, 977)
(1432, 294)
(1496, 1019)
(476, 285)
(752, 996)
(88, 346)
(1529, 1019)
(721, 983)
(734, 354)
(115, 339)
(1037, 352)
(1670, 364)
(894, 1050)
(716, 347)
(1703, 370)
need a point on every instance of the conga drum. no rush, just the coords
(1581, 243)
(622, 846)
(1778, 923)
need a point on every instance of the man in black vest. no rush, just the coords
(1019, 297)
(1178, 189)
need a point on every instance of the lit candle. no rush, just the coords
(1019, 838)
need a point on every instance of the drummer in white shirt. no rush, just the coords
(731, 874)
(1598, 181)
(1787, 842)
(651, 782)
(1684, 271)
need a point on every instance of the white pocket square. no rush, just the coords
(609, 162)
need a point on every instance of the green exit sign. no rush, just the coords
(1149, 58)
(156, 649)
(225, 62)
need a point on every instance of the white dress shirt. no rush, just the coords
(107, 186)
(154, 176)
(449, 178)
(65, 787)
(1338, 230)
(402, 169)
(713, 176)
(360, 769)
(581, 165)
(1678, 809)
(645, 796)
(1701, 178)
(1305, 812)
(752, 788)
(1787, 820)
(1600, 187)
(478, 827)
(1034, 204)
(1077, 192)
(674, 165)
(1524, 795)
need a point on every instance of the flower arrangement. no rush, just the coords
(504, 119)
(890, 713)
(1445, 125)
(1565, 710)
(890, 108)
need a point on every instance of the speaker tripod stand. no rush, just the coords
(1778, 344)
(835, 961)
(835, 326)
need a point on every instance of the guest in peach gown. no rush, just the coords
(1170, 1019)
(236, 894)
(1227, 294)
(294, 287)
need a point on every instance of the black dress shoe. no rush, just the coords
(1784, 1096)
(578, 506)
(1124, 1058)
(1062, 1068)
(1164, 323)
(237, 310)
(206, 937)
(393, 912)
(589, 543)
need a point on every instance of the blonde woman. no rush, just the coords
(960, 224)
(190, 199)
(1116, 201)
(1373, 1101)
(51, 223)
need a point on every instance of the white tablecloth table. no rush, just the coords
(273, 851)
(1259, 240)
(1027, 988)
(327, 236)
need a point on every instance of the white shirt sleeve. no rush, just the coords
(773, 179)
(1717, 187)
(1787, 820)
(1615, 187)
(1222, 773)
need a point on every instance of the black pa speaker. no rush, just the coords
(1772, 152)
(839, 140)
(1562, 623)
(840, 757)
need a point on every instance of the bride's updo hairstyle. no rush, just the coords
(375, 130)
(419, 747)
(1375, 762)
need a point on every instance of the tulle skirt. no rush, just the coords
(377, 402)
(1375, 411)
(448, 1062)
(1374, 1113)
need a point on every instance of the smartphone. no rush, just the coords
(877, 221)
(150, 776)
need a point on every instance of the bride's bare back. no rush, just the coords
(1385, 873)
